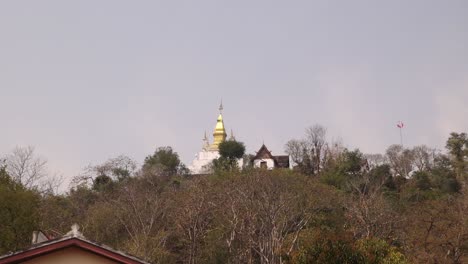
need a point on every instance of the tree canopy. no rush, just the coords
(231, 149)
(164, 161)
(18, 213)
(339, 205)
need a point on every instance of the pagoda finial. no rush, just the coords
(232, 138)
(221, 107)
(206, 143)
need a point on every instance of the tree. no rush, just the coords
(25, 167)
(315, 139)
(262, 213)
(230, 151)
(134, 217)
(437, 230)
(368, 211)
(192, 216)
(164, 162)
(310, 152)
(401, 160)
(102, 176)
(443, 175)
(345, 168)
(457, 145)
(119, 168)
(113, 170)
(375, 160)
(334, 247)
(424, 157)
(101, 182)
(18, 213)
(300, 155)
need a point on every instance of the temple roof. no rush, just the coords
(263, 153)
(281, 161)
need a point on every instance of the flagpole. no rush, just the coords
(401, 137)
(400, 125)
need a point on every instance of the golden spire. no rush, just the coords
(219, 132)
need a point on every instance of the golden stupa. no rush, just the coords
(219, 133)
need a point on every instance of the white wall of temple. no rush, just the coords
(269, 162)
(202, 160)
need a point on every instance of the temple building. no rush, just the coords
(265, 160)
(202, 163)
(203, 159)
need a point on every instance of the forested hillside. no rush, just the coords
(338, 205)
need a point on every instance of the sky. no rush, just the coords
(85, 81)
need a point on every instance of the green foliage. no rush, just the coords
(457, 145)
(51, 220)
(377, 251)
(102, 182)
(422, 180)
(231, 149)
(347, 167)
(18, 213)
(328, 247)
(435, 182)
(164, 161)
(221, 165)
(444, 177)
(322, 246)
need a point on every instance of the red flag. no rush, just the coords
(400, 124)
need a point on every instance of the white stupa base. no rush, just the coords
(203, 161)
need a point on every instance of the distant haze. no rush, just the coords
(84, 81)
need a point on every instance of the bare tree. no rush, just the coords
(437, 231)
(26, 167)
(263, 213)
(295, 149)
(136, 215)
(401, 160)
(52, 184)
(309, 153)
(424, 157)
(316, 141)
(192, 216)
(375, 160)
(369, 213)
(117, 168)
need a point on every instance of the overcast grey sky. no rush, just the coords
(84, 81)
